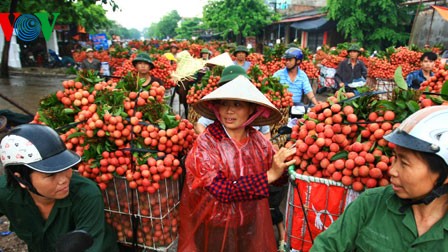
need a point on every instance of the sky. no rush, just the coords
(140, 14)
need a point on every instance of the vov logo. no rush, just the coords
(28, 26)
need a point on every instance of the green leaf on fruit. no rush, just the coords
(399, 80)
(161, 124)
(76, 134)
(412, 106)
(436, 100)
(339, 155)
(401, 116)
(386, 105)
(359, 138)
(401, 104)
(445, 91)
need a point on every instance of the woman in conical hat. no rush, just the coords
(224, 205)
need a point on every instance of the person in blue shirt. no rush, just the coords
(427, 61)
(295, 78)
(241, 53)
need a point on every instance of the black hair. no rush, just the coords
(24, 171)
(430, 55)
(436, 164)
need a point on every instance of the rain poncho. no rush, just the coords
(208, 224)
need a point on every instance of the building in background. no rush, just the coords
(303, 22)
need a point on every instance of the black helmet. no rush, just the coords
(38, 147)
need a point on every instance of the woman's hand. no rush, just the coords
(279, 163)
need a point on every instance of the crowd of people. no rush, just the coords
(235, 176)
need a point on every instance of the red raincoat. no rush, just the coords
(210, 225)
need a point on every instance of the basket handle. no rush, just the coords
(294, 175)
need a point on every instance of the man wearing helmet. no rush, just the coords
(40, 195)
(144, 65)
(296, 79)
(411, 213)
(205, 54)
(241, 53)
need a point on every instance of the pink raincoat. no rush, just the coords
(210, 225)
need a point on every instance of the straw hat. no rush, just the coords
(243, 90)
(221, 60)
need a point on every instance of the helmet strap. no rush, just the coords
(434, 194)
(261, 111)
(30, 187)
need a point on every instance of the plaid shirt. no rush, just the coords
(244, 188)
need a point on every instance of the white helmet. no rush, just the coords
(426, 130)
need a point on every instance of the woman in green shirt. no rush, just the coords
(411, 213)
(40, 195)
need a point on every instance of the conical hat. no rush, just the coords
(240, 89)
(221, 60)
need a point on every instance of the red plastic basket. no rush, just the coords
(323, 201)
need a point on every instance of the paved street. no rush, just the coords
(26, 90)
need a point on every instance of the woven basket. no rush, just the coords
(282, 122)
(378, 84)
(280, 140)
(193, 116)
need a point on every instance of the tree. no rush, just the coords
(92, 18)
(117, 29)
(69, 10)
(153, 31)
(242, 17)
(134, 34)
(167, 25)
(190, 27)
(376, 24)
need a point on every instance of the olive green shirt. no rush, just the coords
(82, 209)
(373, 222)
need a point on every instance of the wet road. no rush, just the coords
(27, 91)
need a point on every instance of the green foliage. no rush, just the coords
(399, 80)
(84, 12)
(190, 27)
(243, 17)
(152, 31)
(53, 113)
(168, 24)
(376, 24)
(92, 18)
(134, 34)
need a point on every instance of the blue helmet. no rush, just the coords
(293, 52)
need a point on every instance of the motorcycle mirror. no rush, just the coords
(284, 130)
(74, 241)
